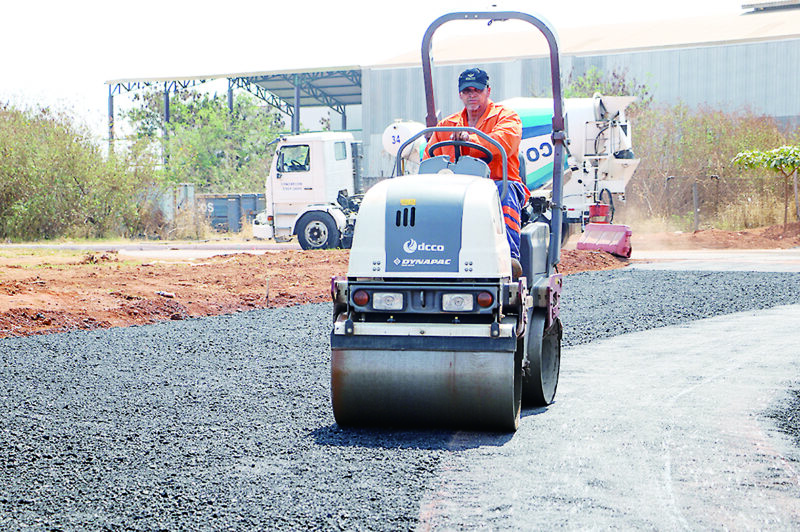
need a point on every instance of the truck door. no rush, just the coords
(338, 173)
(291, 185)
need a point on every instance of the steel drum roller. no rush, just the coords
(462, 389)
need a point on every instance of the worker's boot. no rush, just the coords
(516, 269)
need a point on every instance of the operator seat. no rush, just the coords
(466, 165)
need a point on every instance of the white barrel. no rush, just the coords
(397, 133)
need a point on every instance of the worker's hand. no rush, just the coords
(460, 135)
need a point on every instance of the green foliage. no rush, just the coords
(614, 84)
(205, 144)
(55, 181)
(784, 161)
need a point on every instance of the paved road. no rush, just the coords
(756, 260)
(662, 429)
(224, 423)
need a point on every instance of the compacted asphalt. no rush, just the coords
(674, 410)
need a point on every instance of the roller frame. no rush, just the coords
(437, 369)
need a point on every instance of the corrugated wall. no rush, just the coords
(760, 76)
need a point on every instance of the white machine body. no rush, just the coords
(431, 224)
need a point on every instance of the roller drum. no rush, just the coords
(441, 389)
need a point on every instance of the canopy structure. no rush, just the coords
(286, 91)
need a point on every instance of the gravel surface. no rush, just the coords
(225, 422)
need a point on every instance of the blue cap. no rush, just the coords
(473, 77)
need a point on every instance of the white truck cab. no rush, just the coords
(303, 189)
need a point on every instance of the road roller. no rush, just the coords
(430, 328)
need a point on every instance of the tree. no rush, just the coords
(784, 161)
(594, 80)
(55, 180)
(206, 144)
(615, 84)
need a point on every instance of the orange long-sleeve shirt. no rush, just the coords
(500, 123)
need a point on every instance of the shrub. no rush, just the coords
(692, 145)
(55, 180)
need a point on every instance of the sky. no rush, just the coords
(60, 54)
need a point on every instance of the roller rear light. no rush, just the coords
(387, 301)
(457, 302)
(485, 299)
(361, 298)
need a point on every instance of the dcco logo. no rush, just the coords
(411, 246)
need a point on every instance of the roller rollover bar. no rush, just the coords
(559, 134)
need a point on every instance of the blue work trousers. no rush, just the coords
(512, 205)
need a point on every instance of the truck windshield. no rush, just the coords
(294, 159)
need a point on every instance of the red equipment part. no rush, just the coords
(600, 213)
(613, 238)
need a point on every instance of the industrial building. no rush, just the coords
(746, 61)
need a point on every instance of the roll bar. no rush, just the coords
(559, 136)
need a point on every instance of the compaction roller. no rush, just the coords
(430, 329)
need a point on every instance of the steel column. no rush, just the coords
(296, 115)
(166, 103)
(110, 119)
(230, 95)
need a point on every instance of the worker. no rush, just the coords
(504, 126)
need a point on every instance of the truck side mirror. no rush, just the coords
(279, 165)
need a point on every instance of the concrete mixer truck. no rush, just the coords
(599, 165)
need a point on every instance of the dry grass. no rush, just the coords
(191, 225)
(750, 212)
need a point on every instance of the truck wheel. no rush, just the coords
(317, 230)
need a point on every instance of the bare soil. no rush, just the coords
(46, 294)
(774, 237)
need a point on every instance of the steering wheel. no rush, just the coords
(487, 158)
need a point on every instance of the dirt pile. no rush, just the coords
(99, 290)
(43, 295)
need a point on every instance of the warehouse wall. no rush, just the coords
(760, 76)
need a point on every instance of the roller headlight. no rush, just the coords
(387, 301)
(457, 302)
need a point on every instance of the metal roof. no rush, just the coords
(334, 87)
(338, 87)
(613, 38)
(776, 4)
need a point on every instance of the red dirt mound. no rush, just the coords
(100, 291)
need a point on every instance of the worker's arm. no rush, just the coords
(441, 136)
(507, 132)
